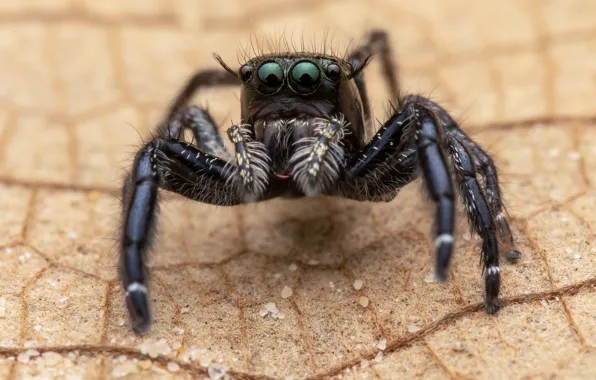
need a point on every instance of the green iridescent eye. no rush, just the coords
(271, 76)
(305, 76)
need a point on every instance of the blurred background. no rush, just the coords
(83, 82)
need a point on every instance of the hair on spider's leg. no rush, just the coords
(387, 163)
(377, 41)
(409, 140)
(481, 219)
(202, 79)
(487, 168)
(204, 129)
(175, 166)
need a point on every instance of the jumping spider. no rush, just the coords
(307, 130)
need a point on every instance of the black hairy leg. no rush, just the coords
(375, 42)
(200, 80)
(491, 188)
(175, 165)
(481, 219)
(410, 142)
(420, 138)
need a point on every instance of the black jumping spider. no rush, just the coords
(307, 130)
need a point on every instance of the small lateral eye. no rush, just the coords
(246, 72)
(271, 76)
(333, 71)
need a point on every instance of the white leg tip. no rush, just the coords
(443, 239)
(136, 287)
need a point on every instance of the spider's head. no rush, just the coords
(294, 85)
(284, 95)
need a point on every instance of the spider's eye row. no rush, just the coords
(246, 72)
(271, 76)
(333, 71)
(305, 76)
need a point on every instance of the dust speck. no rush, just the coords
(574, 156)
(379, 357)
(263, 312)
(25, 356)
(413, 328)
(2, 307)
(154, 349)
(271, 309)
(124, 369)
(51, 358)
(145, 364)
(173, 367)
(554, 152)
(286, 292)
(382, 344)
(217, 372)
(363, 301)
(430, 277)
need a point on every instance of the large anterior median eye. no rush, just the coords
(271, 76)
(305, 77)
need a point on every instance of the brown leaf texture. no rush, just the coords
(317, 288)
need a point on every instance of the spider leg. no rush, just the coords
(485, 165)
(200, 122)
(481, 219)
(375, 41)
(388, 162)
(201, 79)
(177, 166)
(410, 139)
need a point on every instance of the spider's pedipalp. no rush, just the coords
(250, 173)
(318, 160)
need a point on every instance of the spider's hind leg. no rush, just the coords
(483, 165)
(486, 167)
(480, 217)
(376, 41)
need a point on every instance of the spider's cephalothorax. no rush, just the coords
(306, 130)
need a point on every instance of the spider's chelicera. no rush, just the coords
(307, 130)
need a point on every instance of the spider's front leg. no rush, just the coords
(177, 166)
(413, 138)
(408, 141)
